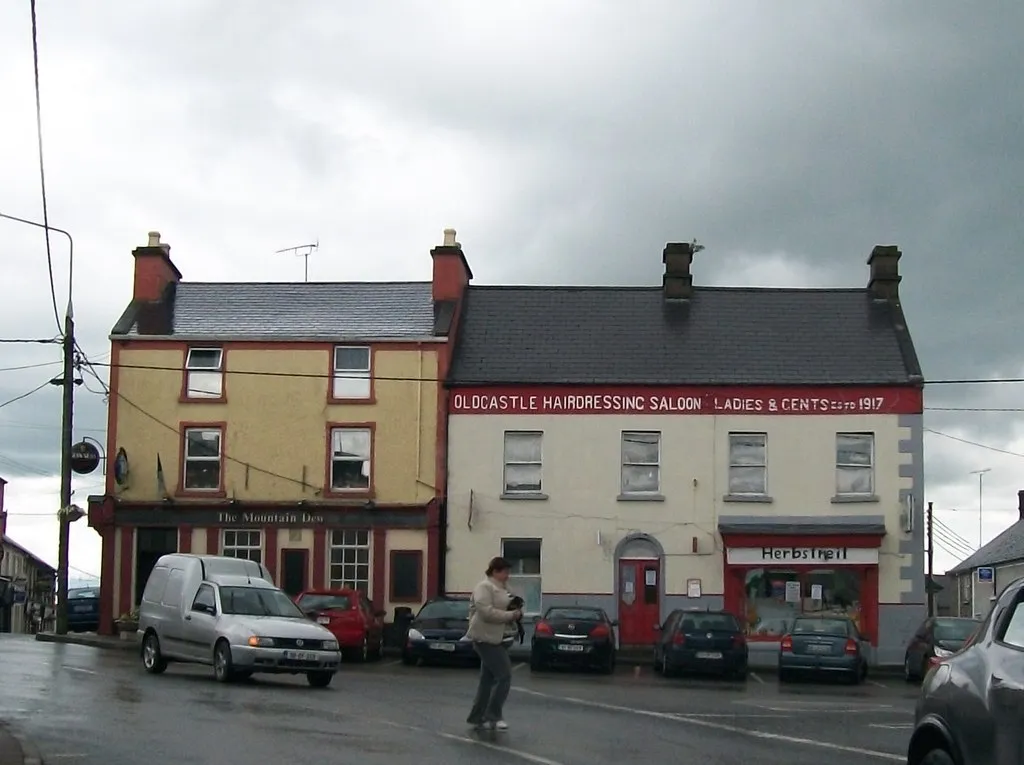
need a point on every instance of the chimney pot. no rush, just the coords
(884, 283)
(154, 239)
(449, 238)
(1020, 503)
(677, 284)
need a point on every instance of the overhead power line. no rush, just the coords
(974, 443)
(19, 340)
(24, 395)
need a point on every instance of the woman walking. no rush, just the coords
(488, 619)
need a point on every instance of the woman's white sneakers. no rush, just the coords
(499, 725)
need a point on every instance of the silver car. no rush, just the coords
(226, 612)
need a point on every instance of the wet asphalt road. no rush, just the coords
(86, 706)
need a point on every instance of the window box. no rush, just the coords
(351, 375)
(202, 460)
(350, 460)
(203, 379)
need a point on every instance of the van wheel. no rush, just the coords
(938, 757)
(319, 679)
(152, 659)
(222, 669)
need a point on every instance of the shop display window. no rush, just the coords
(773, 597)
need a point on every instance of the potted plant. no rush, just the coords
(127, 624)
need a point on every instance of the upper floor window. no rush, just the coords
(855, 463)
(641, 462)
(351, 459)
(522, 471)
(352, 378)
(204, 373)
(202, 466)
(748, 463)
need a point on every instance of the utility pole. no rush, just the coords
(981, 489)
(930, 582)
(66, 441)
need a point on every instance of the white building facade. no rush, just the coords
(769, 500)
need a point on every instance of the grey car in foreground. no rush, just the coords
(971, 707)
(225, 612)
(823, 646)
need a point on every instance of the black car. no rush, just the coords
(706, 642)
(84, 609)
(574, 636)
(969, 711)
(437, 634)
(937, 638)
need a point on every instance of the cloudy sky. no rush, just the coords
(566, 141)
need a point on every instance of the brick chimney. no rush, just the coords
(451, 269)
(677, 282)
(153, 269)
(1020, 503)
(884, 283)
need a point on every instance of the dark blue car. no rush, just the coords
(84, 609)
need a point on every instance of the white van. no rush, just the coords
(226, 612)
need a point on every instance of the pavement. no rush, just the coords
(88, 706)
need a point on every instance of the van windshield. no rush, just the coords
(258, 601)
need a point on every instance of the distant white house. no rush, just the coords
(26, 581)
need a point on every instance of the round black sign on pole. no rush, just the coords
(85, 458)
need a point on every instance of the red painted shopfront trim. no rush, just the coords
(803, 540)
(127, 570)
(687, 400)
(213, 540)
(270, 554)
(107, 574)
(319, 564)
(380, 568)
(184, 539)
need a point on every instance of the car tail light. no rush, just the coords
(600, 631)
(851, 647)
(787, 644)
(739, 640)
(543, 628)
(679, 639)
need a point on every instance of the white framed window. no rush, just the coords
(242, 543)
(855, 463)
(203, 463)
(204, 373)
(351, 459)
(641, 462)
(525, 577)
(351, 372)
(523, 461)
(349, 560)
(748, 463)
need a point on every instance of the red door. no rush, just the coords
(639, 601)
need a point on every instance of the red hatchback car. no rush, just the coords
(352, 619)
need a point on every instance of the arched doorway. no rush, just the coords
(639, 588)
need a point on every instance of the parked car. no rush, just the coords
(438, 633)
(351, 618)
(227, 613)
(84, 609)
(708, 642)
(823, 645)
(937, 638)
(573, 636)
(969, 710)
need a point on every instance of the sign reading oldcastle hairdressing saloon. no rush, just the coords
(802, 556)
(685, 400)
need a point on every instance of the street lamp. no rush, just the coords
(981, 487)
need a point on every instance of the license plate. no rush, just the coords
(82, 609)
(323, 620)
(708, 655)
(442, 646)
(571, 648)
(300, 655)
(819, 649)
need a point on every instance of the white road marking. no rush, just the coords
(877, 684)
(534, 758)
(892, 726)
(391, 663)
(689, 720)
(816, 706)
(757, 677)
(82, 670)
(520, 665)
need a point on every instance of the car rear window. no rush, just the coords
(325, 602)
(83, 593)
(710, 623)
(821, 627)
(954, 629)
(445, 609)
(581, 614)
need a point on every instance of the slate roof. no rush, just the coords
(721, 336)
(1008, 547)
(290, 311)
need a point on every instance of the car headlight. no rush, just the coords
(330, 645)
(942, 653)
(261, 642)
(415, 635)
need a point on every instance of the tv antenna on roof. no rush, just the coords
(304, 251)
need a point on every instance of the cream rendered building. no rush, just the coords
(647, 449)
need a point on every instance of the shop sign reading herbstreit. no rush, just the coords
(802, 556)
